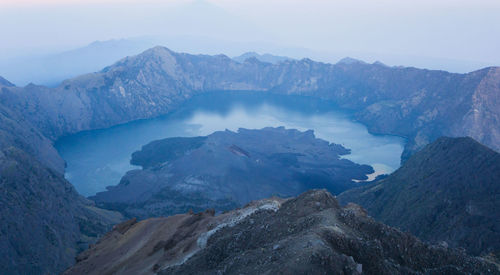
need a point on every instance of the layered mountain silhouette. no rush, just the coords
(269, 58)
(5, 82)
(448, 192)
(420, 105)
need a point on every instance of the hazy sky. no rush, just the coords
(449, 29)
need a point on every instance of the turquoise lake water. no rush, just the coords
(99, 158)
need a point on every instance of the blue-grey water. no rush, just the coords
(99, 158)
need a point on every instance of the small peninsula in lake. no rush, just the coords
(228, 169)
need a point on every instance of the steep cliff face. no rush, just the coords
(17, 131)
(44, 221)
(448, 192)
(310, 234)
(483, 116)
(418, 104)
(226, 169)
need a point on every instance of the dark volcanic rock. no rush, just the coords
(450, 191)
(44, 222)
(310, 234)
(229, 169)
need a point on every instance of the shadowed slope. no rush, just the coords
(449, 191)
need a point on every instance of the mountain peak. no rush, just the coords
(269, 58)
(158, 50)
(350, 60)
(379, 63)
(5, 82)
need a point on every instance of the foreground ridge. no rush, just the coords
(307, 234)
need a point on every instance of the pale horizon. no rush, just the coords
(411, 33)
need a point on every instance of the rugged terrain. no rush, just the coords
(226, 169)
(448, 192)
(420, 105)
(44, 222)
(310, 234)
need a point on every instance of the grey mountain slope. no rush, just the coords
(45, 223)
(349, 60)
(16, 131)
(5, 82)
(449, 191)
(309, 234)
(269, 58)
(418, 104)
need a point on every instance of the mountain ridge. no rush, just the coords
(159, 79)
(446, 192)
(310, 233)
(5, 82)
(269, 58)
(420, 105)
(45, 223)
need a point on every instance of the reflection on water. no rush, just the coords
(96, 159)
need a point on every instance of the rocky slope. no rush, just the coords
(310, 234)
(418, 104)
(449, 191)
(226, 169)
(45, 223)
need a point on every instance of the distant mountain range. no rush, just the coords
(269, 58)
(5, 82)
(51, 69)
(449, 191)
(420, 105)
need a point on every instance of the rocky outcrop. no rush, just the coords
(228, 169)
(482, 117)
(448, 192)
(310, 234)
(45, 223)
